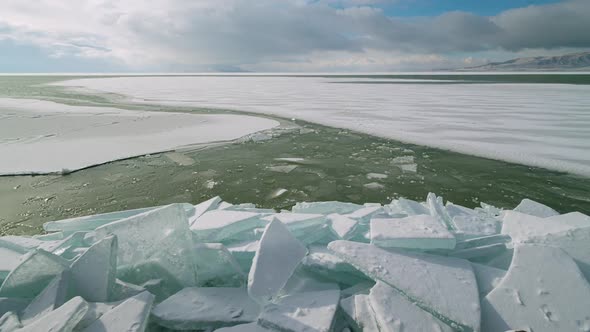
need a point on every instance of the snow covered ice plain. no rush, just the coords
(322, 266)
(544, 125)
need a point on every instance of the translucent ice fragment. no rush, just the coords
(277, 257)
(487, 277)
(95, 311)
(210, 204)
(9, 322)
(159, 238)
(393, 312)
(415, 275)
(10, 260)
(536, 209)
(325, 207)
(302, 312)
(244, 253)
(437, 210)
(196, 308)
(216, 267)
(219, 225)
(342, 226)
(482, 253)
(543, 291)
(123, 290)
(520, 226)
(364, 214)
(34, 272)
(298, 223)
(324, 263)
(52, 297)
(13, 304)
(469, 226)
(93, 273)
(131, 316)
(62, 319)
(416, 232)
(20, 244)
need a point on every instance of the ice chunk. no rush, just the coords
(244, 253)
(520, 226)
(12, 304)
(33, 274)
(303, 312)
(482, 241)
(302, 281)
(416, 232)
(298, 221)
(10, 260)
(218, 225)
(9, 322)
(415, 275)
(123, 290)
(62, 319)
(200, 308)
(482, 253)
(52, 297)
(342, 226)
(93, 273)
(469, 226)
(20, 244)
(131, 316)
(574, 241)
(393, 312)
(69, 247)
(377, 176)
(364, 214)
(217, 267)
(437, 210)
(542, 291)
(203, 207)
(324, 263)
(325, 207)
(89, 223)
(157, 238)
(275, 260)
(364, 316)
(487, 277)
(536, 209)
(250, 327)
(373, 186)
(407, 206)
(282, 168)
(95, 311)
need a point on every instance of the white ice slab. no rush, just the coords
(364, 214)
(62, 319)
(131, 316)
(416, 232)
(543, 291)
(520, 226)
(502, 123)
(325, 207)
(342, 226)
(415, 275)
(9, 322)
(393, 312)
(203, 207)
(536, 209)
(303, 312)
(408, 206)
(39, 137)
(278, 255)
(217, 225)
(487, 277)
(198, 308)
(52, 297)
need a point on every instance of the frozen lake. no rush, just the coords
(544, 125)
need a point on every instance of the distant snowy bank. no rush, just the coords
(41, 137)
(543, 125)
(322, 266)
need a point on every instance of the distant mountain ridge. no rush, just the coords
(573, 61)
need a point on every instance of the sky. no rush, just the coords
(100, 36)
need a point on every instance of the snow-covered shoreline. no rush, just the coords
(543, 125)
(43, 137)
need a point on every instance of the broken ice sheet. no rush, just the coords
(278, 255)
(342, 226)
(406, 206)
(542, 291)
(52, 297)
(158, 238)
(210, 204)
(302, 312)
(217, 267)
(487, 277)
(9, 322)
(34, 272)
(536, 209)
(325, 207)
(393, 312)
(62, 319)
(416, 232)
(131, 315)
(324, 263)
(200, 308)
(415, 275)
(520, 226)
(219, 225)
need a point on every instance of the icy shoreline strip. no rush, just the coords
(43, 137)
(541, 125)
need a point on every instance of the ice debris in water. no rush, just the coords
(323, 266)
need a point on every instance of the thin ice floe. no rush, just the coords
(534, 124)
(225, 267)
(68, 138)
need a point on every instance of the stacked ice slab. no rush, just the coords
(323, 266)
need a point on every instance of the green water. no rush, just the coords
(335, 167)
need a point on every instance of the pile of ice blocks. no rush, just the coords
(323, 266)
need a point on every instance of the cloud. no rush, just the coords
(194, 35)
